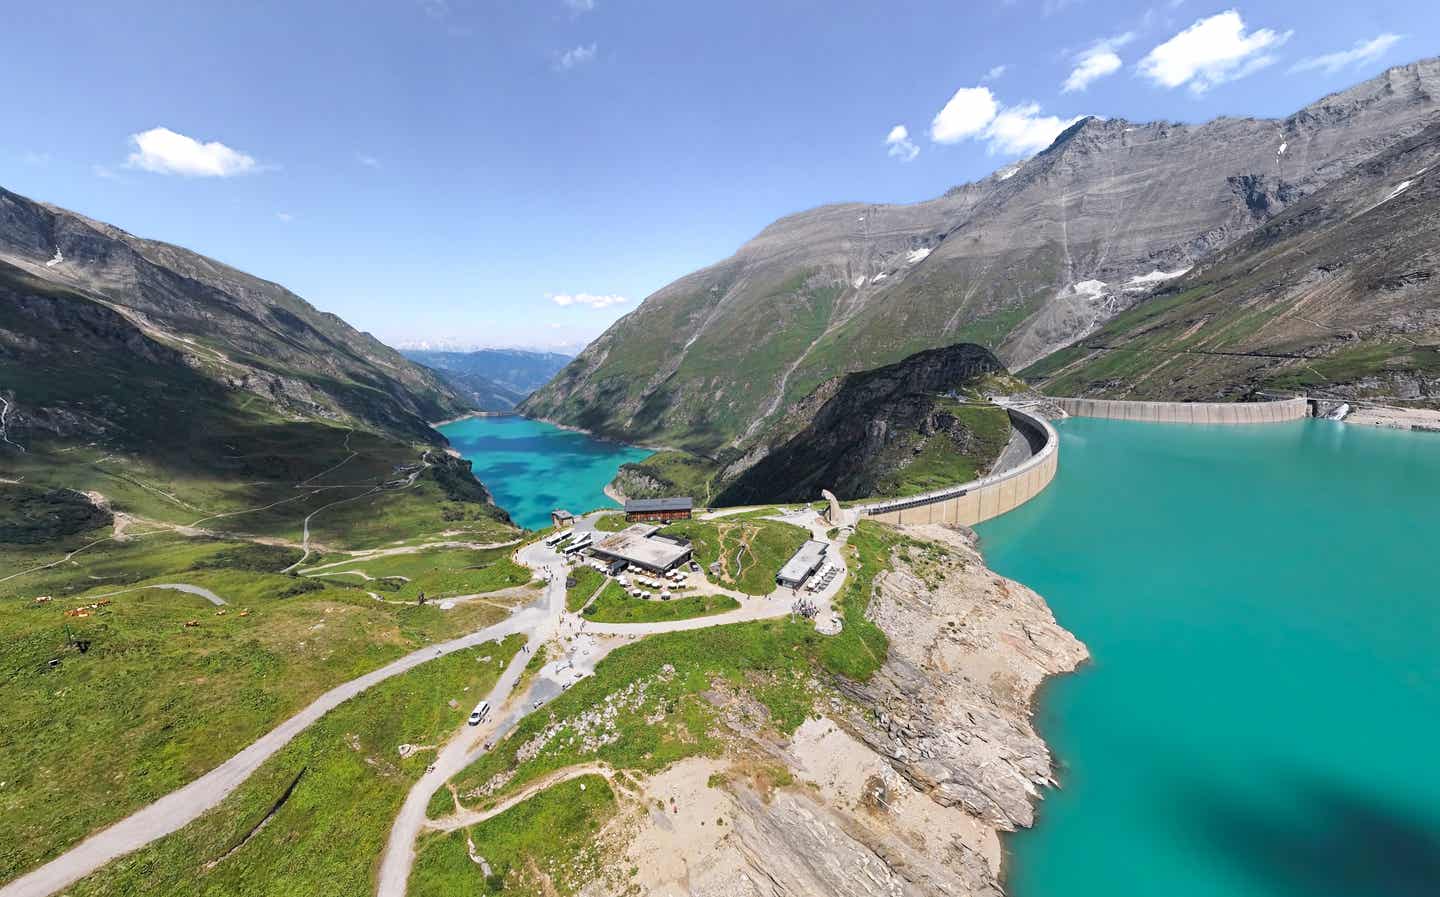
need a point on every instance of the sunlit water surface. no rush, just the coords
(532, 467)
(1262, 716)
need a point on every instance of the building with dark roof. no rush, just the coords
(661, 509)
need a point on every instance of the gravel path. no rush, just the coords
(462, 750)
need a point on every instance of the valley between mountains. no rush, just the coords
(250, 597)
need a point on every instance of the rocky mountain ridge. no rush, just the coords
(1025, 261)
(235, 329)
(1335, 296)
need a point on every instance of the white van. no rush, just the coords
(481, 711)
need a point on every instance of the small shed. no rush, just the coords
(561, 518)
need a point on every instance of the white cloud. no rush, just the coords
(580, 7)
(567, 299)
(285, 217)
(30, 157)
(1023, 131)
(967, 114)
(1096, 61)
(973, 113)
(367, 160)
(1210, 52)
(576, 56)
(900, 145)
(163, 151)
(995, 72)
(1364, 51)
(104, 171)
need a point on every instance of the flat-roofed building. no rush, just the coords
(802, 564)
(678, 508)
(640, 546)
(561, 518)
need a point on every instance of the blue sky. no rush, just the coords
(523, 172)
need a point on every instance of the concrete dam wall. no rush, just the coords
(989, 497)
(979, 500)
(1188, 412)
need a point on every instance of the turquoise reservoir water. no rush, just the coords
(1262, 716)
(533, 467)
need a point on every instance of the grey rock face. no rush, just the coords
(1336, 295)
(951, 706)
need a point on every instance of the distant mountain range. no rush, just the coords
(492, 379)
(1026, 262)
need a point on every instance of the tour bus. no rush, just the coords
(481, 711)
(582, 542)
(557, 538)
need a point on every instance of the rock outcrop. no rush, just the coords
(855, 435)
(901, 786)
(951, 706)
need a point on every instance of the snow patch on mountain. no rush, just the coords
(1399, 188)
(1145, 281)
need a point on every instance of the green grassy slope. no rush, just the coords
(338, 785)
(545, 846)
(749, 551)
(154, 702)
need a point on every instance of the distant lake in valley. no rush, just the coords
(1261, 714)
(533, 467)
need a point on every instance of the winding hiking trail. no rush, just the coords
(192, 528)
(466, 818)
(460, 751)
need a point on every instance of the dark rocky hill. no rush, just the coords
(1025, 262)
(900, 429)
